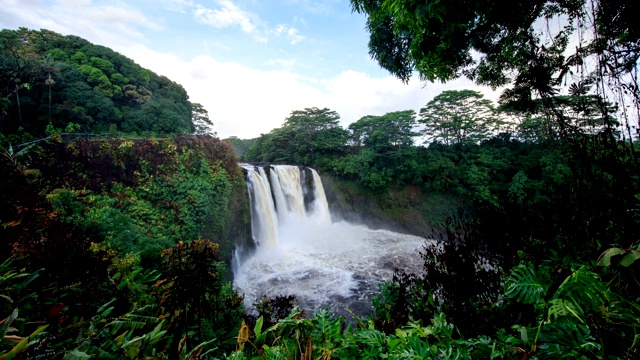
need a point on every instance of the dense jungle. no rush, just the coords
(121, 209)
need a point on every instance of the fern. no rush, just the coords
(527, 285)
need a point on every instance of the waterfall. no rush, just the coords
(287, 188)
(300, 251)
(264, 221)
(278, 199)
(319, 206)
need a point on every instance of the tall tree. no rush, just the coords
(317, 133)
(391, 130)
(457, 116)
(200, 118)
(17, 66)
(382, 151)
(536, 48)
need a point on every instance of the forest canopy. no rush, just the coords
(537, 50)
(48, 81)
(119, 246)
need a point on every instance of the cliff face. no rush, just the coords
(405, 209)
(128, 196)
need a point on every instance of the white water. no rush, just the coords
(319, 206)
(287, 188)
(323, 264)
(264, 223)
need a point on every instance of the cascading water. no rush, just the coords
(301, 252)
(264, 222)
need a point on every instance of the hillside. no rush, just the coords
(50, 81)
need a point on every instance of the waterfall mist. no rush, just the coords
(301, 252)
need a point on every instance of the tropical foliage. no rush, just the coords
(117, 247)
(50, 79)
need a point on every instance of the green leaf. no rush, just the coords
(526, 285)
(6, 323)
(155, 335)
(76, 355)
(103, 307)
(630, 258)
(584, 289)
(23, 344)
(258, 328)
(560, 307)
(523, 335)
(605, 257)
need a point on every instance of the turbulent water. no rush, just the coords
(301, 252)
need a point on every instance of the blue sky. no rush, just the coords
(249, 62)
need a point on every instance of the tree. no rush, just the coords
(17, 66)
(391, 130)
(193, 278)
(49, 78)
(537, 47)
(49, 66)
(193, 292)
(278, 146)
(456, 117)
(200, 119)
(383, 151)
(317, 133)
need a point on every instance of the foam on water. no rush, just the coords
(324, 264)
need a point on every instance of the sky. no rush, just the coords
(250, 63)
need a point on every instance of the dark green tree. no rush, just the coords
(392, 130)
(317, 133)
(527, 48)
(47, 78)
(454, 117)
(382, 151)
(194, 294)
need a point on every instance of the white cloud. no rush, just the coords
(241, 101)
(290, 33)
(119, 16)
(105, 25)
(228, 15)
(75, 2)
(246, 102)
(299, 20)
(294, 38)
(316, 6)
(282, 63)
(280, 29)
(175, 5)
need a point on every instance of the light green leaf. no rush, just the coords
(560, 307)
(76, 355)
(605, 258)
(258, 328)
(629, 259)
